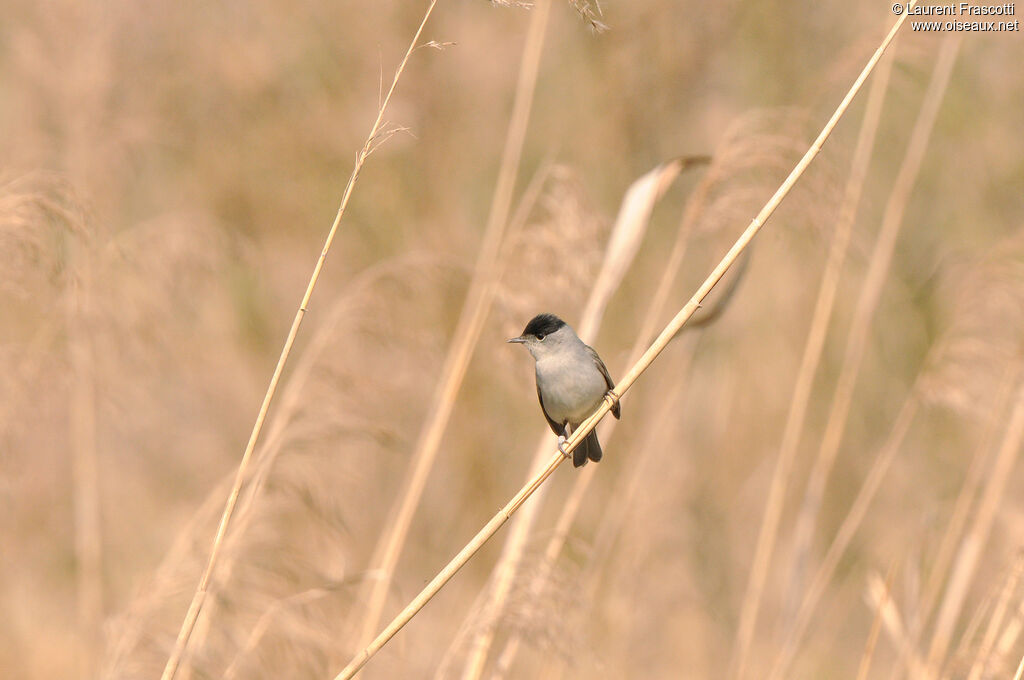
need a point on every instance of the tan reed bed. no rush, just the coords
(624, 384)
(867, 304)
(809, 362)
(947, 357)
(849, 526)
(855, 349)
(378, 132)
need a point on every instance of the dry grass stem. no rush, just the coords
(200, 594)
(813, 347)
(1010, 634)
(467, 332)
(876, 626)
(957, 660)
(974, 542)
(867, 304)
(631, 376)
(879, 597)
(983, 658)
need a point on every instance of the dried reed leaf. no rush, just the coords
(627, 235)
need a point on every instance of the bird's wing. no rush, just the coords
(607, 378)
(557, 428)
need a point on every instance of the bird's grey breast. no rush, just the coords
(571, 384)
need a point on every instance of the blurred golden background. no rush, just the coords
(169, 173)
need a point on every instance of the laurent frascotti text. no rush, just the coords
(960, 9)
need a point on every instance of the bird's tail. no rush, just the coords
(589, 449)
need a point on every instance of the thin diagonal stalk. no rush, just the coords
(204, 581)
(876, 628)
(893, 623)
(977, 537)
(969, 635)
(867, 305)
(983, 657)
(808, 368)
(467, 332)
(1008, 638)
(627, 381)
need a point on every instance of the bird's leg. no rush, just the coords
(561, 445)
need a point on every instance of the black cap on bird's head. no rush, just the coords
(539, 327)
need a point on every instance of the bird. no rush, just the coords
(572, 381)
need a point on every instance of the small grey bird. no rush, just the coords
(571, 381)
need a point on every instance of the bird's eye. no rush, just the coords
(540, 336)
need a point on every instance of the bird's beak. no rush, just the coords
(520, 339)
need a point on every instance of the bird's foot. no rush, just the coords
(561, 446)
